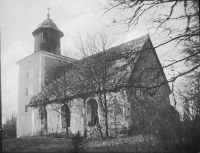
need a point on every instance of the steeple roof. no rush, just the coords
(48, 23)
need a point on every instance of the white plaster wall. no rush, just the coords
(54, 120)
(77, 116)
(36, 121)
(28, 122)
(76, 122)
(123, 119)
(24, 126)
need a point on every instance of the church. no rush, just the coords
(121, 82)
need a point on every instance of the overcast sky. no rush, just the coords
(19, 18)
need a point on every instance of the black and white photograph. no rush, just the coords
(100, 76)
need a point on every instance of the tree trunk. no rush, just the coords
(106, 114)
(67, 116)
(106, 123)
(67, 131)
(98, 126)
(84, 119)
(104, 93)
(115, 119)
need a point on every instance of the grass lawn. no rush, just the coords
(122, 144)
(134, 144)
(37, 144)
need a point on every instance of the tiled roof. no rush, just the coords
(48, 23)
(119, 60)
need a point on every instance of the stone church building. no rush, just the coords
(134, 81)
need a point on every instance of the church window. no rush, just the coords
(29, 90)
(26, 91)
(26, 108)
(64, 114)
(91, 112)
(44, 36)
(29, 74)
(43, 115)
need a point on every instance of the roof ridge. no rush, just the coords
(124, 44)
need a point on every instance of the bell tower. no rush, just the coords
(47, 37)
(32, 76)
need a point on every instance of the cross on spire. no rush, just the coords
(48, 12)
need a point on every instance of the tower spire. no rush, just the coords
(48, 12)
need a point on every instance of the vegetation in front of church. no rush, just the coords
(158, 128)
(37, 144)
(185, 138)
(9, 128)
(165, 134)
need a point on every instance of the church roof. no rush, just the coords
(119, 61)
(48, 23)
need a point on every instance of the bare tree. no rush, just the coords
(56, 88)
(96, 67)
(9, 129)
(108, 71)
(175, 22)
(186, 133)
(5, 111)
(191, 96)
(116, 116)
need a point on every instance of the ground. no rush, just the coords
(51, 144)
(123, 144)
(37, 144)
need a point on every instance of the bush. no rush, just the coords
(57, 135)
(181, 136)
(10, 128)
(77, 139)
(190, 134)
(61, 134)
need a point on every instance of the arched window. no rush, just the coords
(43, 115)
(26, 91)
(44, 37)
(92, 112)
(29, 74)
(65, 113)
(89, 114)
(29, 90)
(26, 108)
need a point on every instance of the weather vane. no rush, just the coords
(48, 12)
